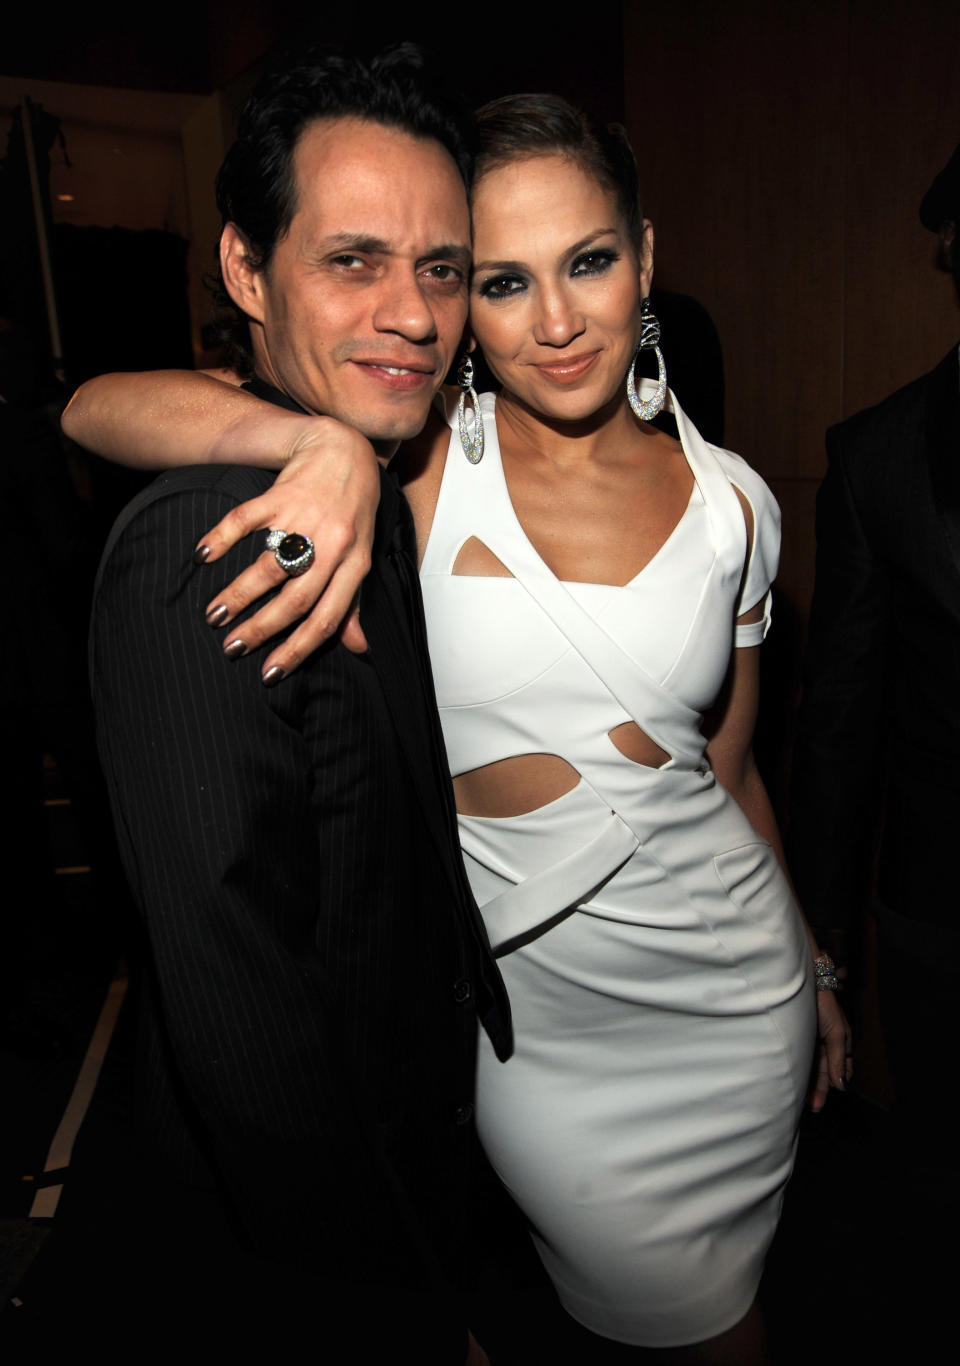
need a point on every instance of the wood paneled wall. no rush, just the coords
(784, 151)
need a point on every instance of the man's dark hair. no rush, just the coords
(256, 186)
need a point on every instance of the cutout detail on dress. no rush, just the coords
(637, 746)
(514, 786)
(476, 560)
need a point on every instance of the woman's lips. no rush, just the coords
(569, 370)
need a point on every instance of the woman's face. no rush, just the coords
(557, 285)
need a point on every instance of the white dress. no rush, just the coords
(657, 968)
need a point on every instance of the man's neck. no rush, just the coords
(263, 388)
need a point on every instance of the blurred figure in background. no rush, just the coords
(879, 731)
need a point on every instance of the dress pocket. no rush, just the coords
(752, 878)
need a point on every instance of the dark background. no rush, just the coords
(783, 149)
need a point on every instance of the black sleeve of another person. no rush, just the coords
(837, 770)
(220, 814)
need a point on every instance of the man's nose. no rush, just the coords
(403, 307)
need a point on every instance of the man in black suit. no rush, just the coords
(315, 961)
(879, 732)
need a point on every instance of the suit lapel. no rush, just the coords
(397, 637)
(942, 446)
(396, 634)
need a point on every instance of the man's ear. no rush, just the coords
(243, 280)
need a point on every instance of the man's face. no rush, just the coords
(361, 308)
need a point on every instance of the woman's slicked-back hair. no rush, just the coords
(256, 186)
(516, 127)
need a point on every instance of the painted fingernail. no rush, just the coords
(273, 675)
(217, 615)
(201, 554)
(235, 650)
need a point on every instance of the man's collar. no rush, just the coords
(261, 389)
(270, 394)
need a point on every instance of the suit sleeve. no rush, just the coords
(220, 815)
(836, 783)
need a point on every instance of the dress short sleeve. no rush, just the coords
(765, 553)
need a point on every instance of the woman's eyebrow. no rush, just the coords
(587, 241)
(498, 265)
(570, 252)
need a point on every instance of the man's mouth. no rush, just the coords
(400, 378)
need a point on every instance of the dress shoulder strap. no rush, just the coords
(468, 493)
(723, 506)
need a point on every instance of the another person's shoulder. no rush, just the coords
(164, 523)
(886, 424)
(226, 481)
(200, 485)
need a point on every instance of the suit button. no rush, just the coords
(464, 1113)
(462, 991)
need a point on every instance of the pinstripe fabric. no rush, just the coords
(291, 851)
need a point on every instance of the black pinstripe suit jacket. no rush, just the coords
(316, 960)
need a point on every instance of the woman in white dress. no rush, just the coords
(596, 593)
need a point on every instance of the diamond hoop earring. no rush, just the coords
(647, 409)
(472, 443)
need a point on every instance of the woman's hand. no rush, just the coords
(328, 490)
(476, 1356)
(834, 1061)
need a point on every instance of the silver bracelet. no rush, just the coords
(826, 973)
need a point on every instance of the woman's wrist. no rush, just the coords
(825, 972)
(268, 437)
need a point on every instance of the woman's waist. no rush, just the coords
(692, 863)
(676, 814)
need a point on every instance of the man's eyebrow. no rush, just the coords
(456, 252)
(355, 241)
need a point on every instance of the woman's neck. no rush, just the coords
(524, 432)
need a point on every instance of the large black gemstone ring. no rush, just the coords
(293, 553)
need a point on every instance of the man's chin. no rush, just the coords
(387, 430)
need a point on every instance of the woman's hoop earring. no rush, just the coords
(472, 443)
(647, 409)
